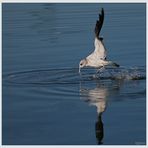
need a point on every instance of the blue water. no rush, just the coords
(44, 99)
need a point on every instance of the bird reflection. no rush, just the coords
(99, 129)
(96, 97)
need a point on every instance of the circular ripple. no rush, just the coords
(43, 77)
(71, 76)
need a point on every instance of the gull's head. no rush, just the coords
(82, 64)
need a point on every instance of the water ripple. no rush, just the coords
(71, 76)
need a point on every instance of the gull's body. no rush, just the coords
(97, 58)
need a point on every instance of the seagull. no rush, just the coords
(97, 59)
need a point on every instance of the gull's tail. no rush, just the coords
(115, 64)
(110, 63)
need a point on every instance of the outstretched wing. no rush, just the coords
(99, 23)
(100, 51)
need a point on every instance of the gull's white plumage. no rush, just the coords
(97, 58)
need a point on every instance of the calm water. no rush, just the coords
(45, 101)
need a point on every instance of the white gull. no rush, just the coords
(97, 59)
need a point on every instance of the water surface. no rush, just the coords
(45, 100)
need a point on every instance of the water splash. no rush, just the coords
(122, 73)
(71, 76)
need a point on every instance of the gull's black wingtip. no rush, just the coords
(99, 23)
(102, 12)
